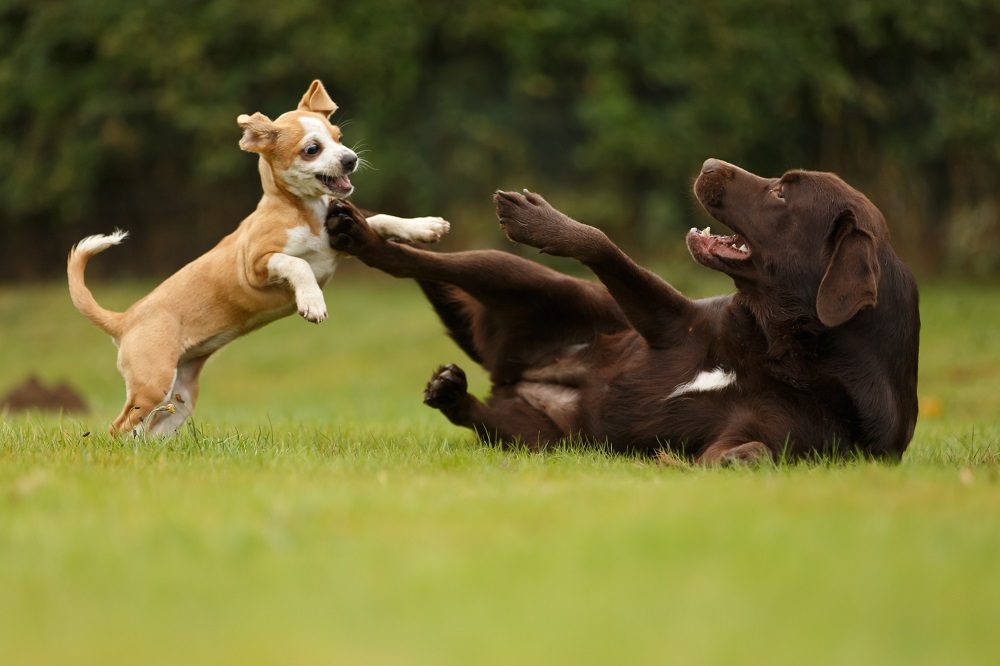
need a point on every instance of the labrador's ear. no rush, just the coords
(316, 100)
(851, 279)
(259, 133)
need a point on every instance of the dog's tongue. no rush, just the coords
(343, 182)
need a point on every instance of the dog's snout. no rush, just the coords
(711, 164)
(349, 162)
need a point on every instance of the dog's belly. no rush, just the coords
(560, 403)
(216, 341)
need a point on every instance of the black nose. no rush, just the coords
(349, 163)
(710, 165)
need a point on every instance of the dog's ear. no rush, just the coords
(851, 279)
(317, 101)
(259, 133)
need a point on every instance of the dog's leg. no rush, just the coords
(300, 278)
(413, 229)
(149, 369)
(732, 454)
(182, 396)
(487, 275)
(507, 421)
(648, 301)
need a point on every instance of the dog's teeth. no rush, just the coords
(706, 232)
(743, 248)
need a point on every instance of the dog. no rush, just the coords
(276, 262)
(814, 355)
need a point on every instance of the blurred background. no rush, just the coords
(122, 114)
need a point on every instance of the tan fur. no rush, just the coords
(165, 337)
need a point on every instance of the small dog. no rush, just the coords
(275, 262)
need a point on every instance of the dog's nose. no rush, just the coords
(710, 165)
(349, 163)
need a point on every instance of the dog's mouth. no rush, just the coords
(716, 251)
(337, 185)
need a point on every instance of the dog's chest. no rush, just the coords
(314, 249)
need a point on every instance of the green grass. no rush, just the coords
(318, 513)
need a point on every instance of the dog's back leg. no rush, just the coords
(182, 396)
(458, 312)
(506, 420)
(506, 324)
(147, 360)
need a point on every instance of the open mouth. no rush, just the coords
(703, 244)
(336, 184)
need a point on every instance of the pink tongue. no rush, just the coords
(343, 182)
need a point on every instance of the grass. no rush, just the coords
(318, 513)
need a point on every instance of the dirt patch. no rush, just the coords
(33, 394)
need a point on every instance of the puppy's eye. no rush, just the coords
(312, 150)
(778, 191)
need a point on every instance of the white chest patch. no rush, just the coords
(314, 249)
(706, 380)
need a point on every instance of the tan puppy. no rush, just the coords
(276, 261)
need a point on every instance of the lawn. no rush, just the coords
(316, 512)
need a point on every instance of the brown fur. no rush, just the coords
(821, 334)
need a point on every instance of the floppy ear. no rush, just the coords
(259, 133)
(317, 100)
(851, 279)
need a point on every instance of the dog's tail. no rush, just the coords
(108, 321)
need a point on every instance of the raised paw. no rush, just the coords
(312, 307)
(409, 229)
(527, 218)
(346, 227)
(447, 386)
(425, 229)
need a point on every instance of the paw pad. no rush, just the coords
(447, 385)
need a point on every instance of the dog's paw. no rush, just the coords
(446, 387)
(345, 227)
(528, 219)
(424, 229)
(312, 307)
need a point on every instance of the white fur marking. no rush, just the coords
(299, 276)
(314, 249)
(706, 380)
(91, 245)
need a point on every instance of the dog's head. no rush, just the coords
(807, 240)
(301, 149)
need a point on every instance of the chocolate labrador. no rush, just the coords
(815, 353)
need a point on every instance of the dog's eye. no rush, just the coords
(778, 191)
(312, 150)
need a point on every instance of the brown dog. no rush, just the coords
(276, 261)
(815, 353)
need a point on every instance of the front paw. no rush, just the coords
(425, 229)
(312, 307)
(529, 219)
(346, 227)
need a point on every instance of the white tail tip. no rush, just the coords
(93, 244)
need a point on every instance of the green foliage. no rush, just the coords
(607, 107)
